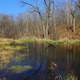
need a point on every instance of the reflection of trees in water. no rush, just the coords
(62, 60)
(67, 59)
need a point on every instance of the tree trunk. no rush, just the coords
(74, 25)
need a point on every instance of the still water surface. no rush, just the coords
(49, 62)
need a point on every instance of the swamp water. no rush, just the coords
(41, 62)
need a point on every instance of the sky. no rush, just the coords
(14, 7)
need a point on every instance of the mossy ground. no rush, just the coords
(48, 41)
(12, 44)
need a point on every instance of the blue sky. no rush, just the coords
(13, 7)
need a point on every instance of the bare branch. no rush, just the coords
(24, 2)
(35, 9)
(45, 3)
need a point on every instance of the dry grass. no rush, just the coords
(5, 57)
(65, 34)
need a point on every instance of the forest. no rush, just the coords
(50, 22)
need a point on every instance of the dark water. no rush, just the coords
(56, 61)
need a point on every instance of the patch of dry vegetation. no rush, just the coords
(5, 57)
(65, 34)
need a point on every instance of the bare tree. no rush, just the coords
(48, 8)
(70, 16)
(78, 3)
